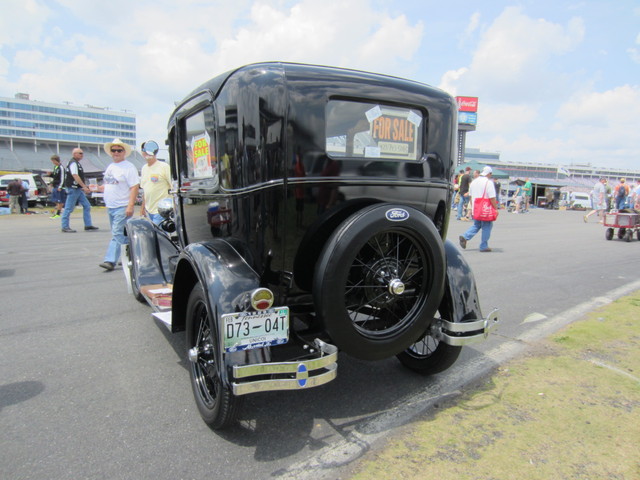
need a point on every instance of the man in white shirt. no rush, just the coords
(481, 187)
(155, 182)
(121, 184)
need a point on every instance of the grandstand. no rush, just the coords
(567, 177)
(32, 131)
(24, 157)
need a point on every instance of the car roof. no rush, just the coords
(21, 176)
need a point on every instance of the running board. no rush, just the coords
(163, 317)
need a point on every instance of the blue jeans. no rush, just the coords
(75, 195)
(117, 219)
(463, 201)
(475, 228)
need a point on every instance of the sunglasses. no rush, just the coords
(117, 150)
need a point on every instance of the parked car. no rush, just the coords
(309, 215)
(38, 190)
(96, 197)
(580, 201)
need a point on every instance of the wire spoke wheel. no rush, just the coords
(429, 355)
(204, 369)
(378, 282)
(216, 403)
(385, 284)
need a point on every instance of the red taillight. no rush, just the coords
(262, 298)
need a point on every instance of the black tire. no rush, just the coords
(133, 274)
(429, 356)
(378, 282)
(216, 403)
(638, 234)
(621, 232)
(609, 233)
(628, 235)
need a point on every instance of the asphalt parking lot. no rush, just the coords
(92, 387)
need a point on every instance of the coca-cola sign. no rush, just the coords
(467, 104)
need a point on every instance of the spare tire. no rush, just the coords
(379, 280)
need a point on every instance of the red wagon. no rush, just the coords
(626, 223)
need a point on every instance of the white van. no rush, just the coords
(580, 201)
(38, 191)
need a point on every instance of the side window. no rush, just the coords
(198, 162)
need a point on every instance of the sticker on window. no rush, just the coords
(201, 156)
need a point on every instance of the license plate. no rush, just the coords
(246, 330)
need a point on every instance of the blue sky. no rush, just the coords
(558, 81)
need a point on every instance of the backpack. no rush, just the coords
(622, 191)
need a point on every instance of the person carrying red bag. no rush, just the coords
(485, 209)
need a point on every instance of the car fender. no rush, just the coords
(460, 289)
(227, 279)
(153, 252)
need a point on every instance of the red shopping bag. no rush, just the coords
(483, 210)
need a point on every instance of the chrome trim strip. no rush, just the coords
(302, 370)
(285, 384)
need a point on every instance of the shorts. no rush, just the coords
(58, 196)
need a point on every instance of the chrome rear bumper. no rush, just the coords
(465, 333)
(288, 375)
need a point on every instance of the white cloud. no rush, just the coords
(472, 27)
(159, 51)
(22, 22)
(505, 118)
(449, 81)
(513, 56)
(590, 127)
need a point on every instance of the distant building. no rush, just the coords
(31, 131)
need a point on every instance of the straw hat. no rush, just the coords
(118, 143)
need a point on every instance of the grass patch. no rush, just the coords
(570, 410)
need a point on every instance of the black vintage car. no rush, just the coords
(309, 215)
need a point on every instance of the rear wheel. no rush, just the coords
(628, 235)
(429, 356)
(621, 232)
(379, 280)
(216, 403)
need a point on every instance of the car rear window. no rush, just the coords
(372, 131)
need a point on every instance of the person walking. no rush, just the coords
(15, 190)
(24, 200)
(621, 193)
(121, 185)
(467, 216)
(607, 196)
(526, 192)
(58, 195)
(463, 191)
(598, 199)
(481, 187)
(517, 198)
(155, 182)
(76, 190)
(636, 196)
